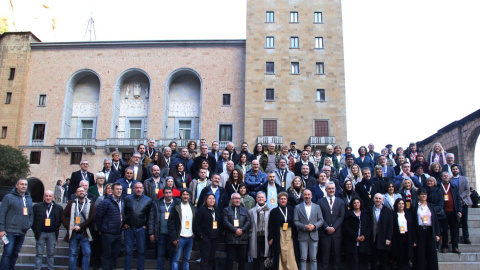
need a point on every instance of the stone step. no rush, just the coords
(462, 257)
(459, 266)
(475, 247)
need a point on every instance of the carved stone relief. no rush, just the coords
(183, 109)
(85, 109)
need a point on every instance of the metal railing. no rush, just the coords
(278, 140)
(321, 140)
(75, 142)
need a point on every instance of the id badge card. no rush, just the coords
(408, 205)
(78, 220)
(47, 222)
(283, 184)
(187, 224)
(445, 197)
(167, 214)
(370, 196)
(214, 225)
(272, 201)
(236, 223)
(25, 211)
(285, 226)
(402, 229)
(156, 191)
(184, 185)
(425, 220)
(129, 191)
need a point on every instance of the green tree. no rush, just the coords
(13, 165)
(3, 25)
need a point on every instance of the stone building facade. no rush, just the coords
(84, 100)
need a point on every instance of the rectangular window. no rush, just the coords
(269, 127)
(320, 94)
(226, 100)
(185, 129)
(321, 128)
(4, 132)
(76, 157)
(9, 98)
(38, 132)
(135, 129)
(87, 129)
(320, 68)
(294, 42)
(270, 68)
(35, 157)
(295, 68)
(319, 43)
(270, 42)
(270, 94)
(12, 74)
(317, 17)
(294, 17)
(42, 100)
(225, 133)
(270, 17)
(127, 156)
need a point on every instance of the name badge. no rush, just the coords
(425, 219)
(272, 201)
(214, 225)
(187, 224)
(236, 223)
(295, 160)
(129, 191)
(78, 220)
(283, 184)
(348, 208)
(445, 197)
(369, 196)
(285, 226)
(184, 185)
(402, 229)
(47, 222)
(156, 191)
(408, 205)
(25, 211)
(167, 214)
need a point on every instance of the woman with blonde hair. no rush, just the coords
(438, 154)
(355, 175)
(295, 191)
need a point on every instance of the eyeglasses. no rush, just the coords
(84, 164)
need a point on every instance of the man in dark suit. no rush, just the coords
(307, 180)
(382, 232)
(373, 155)
(304, 161)
(349, 160)
(221, 165)
(197, 162)
(244, 150)
(118, 164)
(320, 189)
(308, 219)
(333, 210)
(464, 189)
(221, 198)
(388, 171)
(139, 170)
(328, 173)
(111, 175)
(80, 175)
(368, 188)
(450, 157)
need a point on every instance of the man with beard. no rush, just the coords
(154, 183)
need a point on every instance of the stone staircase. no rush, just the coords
(469, 258)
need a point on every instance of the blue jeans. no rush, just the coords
(131, 235)
(112, 243)
(163, 246)
(10, 251)
(48, 239)
(76, 239)
(185, 246)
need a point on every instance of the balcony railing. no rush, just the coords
(38, 142)
(125, 142)
(277, 140)
(321, 140)
(75, 142)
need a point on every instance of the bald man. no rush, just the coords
(47, 218)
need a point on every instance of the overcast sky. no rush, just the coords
(410, 66)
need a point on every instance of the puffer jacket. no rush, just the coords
(243, 221)
(107, 216)
(12, 219)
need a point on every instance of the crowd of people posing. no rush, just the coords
(276, 209)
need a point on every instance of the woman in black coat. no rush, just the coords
(357, 234)
(409, 194)
(426, 229)
(435, 197)
(207, 229)
(402, 238)
(295, 192)
(276, 231)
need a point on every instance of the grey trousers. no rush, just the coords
(49, 240)
(309, 248)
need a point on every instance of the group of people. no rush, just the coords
(281, 209)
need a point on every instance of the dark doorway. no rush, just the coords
(36, 189)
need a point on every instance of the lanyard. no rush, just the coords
(235, 212)
(213, 214)
(281, 175)
(446, 190)
(284, 215)
(49, 210)
(167, 206)
(24, 201)
(84, 176)
(167, 160)
(150, 154)
(83, 206)
(116, 166)
(129, 184)
(236, 189)
(296, 194)
(370, 190)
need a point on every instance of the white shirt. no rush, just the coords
(308, 210)
(402, 221)
(187, 215)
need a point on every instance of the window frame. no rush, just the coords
(272, 65)
(8, 98)
(269, 42)
(128, 128)
(294, 43)
(219, 133)
(4, 132)
(294, 17)
(321, 120)
(295, 68)
(319, 41)
(267, 17)
(76, 158)
(34, 161)
(33, 137)
(320, 95)
(263, 126)
(42, 97)
(12, 74)
(270, 94)
(315, 17)
(227, 97)
(320, 68)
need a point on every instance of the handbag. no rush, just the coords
(268, 263)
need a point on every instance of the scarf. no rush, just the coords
(261, 218)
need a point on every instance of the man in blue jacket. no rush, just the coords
(109, 217)
(16, 217)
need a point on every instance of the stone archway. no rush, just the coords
(36, 189)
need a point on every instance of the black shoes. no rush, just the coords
(467, 241)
